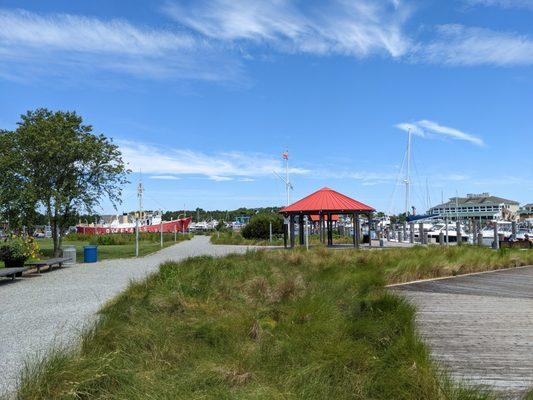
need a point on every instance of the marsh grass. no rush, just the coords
(264, 325)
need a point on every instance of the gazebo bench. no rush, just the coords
(12, 272)
(48, 263)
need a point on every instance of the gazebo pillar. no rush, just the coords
(357, 230)
(291, 230)
(321, 227)
(330, 230)
(370, 230)
(301, 234)
(355, 236)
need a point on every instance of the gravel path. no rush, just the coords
(39, 312)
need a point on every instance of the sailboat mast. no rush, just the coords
(287, 181)
(407, 173)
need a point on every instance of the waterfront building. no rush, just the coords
(477, 206)
(526, 212)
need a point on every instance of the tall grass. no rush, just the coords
(265, 325)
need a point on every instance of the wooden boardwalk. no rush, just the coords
(480, 327)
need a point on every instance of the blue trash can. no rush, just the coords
(90, 254)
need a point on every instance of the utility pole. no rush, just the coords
(136, 237)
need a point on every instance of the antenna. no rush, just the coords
(288, 184)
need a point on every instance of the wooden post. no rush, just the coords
(513, 230)
(357, 228)
(369, 230)
(320, 227)
(480, 239)
(404, 228)
(285, 231)
(441, 238)
(496, 242)
(421, 232)
(411, 232)
(291, 230)
(301, 227)
(330, 231)
(354, 236)
(458, 233)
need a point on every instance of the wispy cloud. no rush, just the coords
(502, 3)
(165, 177)
(219, 167)
(459, 45)
(75, 43)
(426, 128)
(358, 28)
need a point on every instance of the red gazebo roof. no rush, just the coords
(327, 200)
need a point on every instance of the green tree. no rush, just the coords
(60, 166)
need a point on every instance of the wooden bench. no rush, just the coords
(48, 263)
(12, 272)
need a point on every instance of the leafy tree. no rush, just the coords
(259, 226)
(59, 165)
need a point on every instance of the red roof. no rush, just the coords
(316, 217)
(328, 200)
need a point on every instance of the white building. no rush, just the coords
(477, 206)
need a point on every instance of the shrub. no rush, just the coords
(259, 226)
(18, 248)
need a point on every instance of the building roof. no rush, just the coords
(327, 200)
(529, 205)
(482, 199)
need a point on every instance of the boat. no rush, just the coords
(148, 223)
(127, 223)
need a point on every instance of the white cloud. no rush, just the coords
(345, 27)
(158, 160)
(426, 128)
(165, 177)
(78, 43)
(218, 178)
(458, 45)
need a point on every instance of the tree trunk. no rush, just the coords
(56, 237)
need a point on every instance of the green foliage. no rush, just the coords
(264, 325)
(14, 247)
(54, 161)
(200, 214)
(259, 226)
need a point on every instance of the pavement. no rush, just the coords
(51, 309)
(480, 327)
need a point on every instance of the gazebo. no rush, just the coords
(324, 206)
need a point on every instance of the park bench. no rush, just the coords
(48, 263)
(12, 272)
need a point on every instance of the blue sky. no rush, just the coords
(204, 96)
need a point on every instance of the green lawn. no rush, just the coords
(265, 325)
(110, 251)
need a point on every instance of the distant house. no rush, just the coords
(477, 206)
(526, 211)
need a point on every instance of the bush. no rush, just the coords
(259, 226)
(18, 248)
